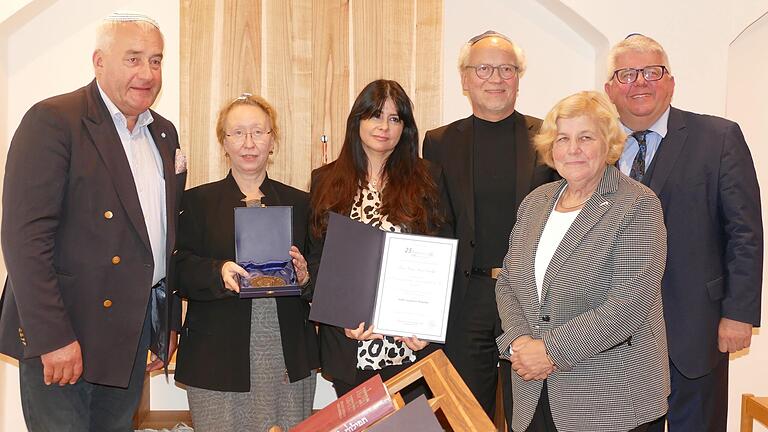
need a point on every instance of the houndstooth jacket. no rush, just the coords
(601, 315)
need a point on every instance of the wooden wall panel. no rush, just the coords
(237, 60)
(196, 34)
(288, 86)
(428, 62)
(382, 42)
(240, 57)
(330, 79)
(309, 58)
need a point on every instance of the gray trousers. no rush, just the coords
(82, 406)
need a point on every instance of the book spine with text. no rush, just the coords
(364, 419)
(355, 411)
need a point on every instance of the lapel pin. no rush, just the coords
(162, 134)
(604, 203)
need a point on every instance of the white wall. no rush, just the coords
(45, 48)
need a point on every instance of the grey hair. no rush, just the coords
(516, 50)
(636, 43)
(105, 33)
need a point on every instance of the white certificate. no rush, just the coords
(415, 284)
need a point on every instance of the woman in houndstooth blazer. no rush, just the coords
(579, 295)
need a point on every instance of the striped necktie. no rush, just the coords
(638, 165)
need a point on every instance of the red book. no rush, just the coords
(353, 412)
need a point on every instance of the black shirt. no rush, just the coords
(494, 189)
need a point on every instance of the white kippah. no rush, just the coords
(129, 16)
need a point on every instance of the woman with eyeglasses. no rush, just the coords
(378, 179)
(247, 363)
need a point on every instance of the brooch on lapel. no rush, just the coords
(180, 162)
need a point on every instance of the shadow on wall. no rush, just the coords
(586, 31)
(746, 93)
(6, 364)
(7, 26)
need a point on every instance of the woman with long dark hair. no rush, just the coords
(378, 179)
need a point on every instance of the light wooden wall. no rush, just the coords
(309, 58)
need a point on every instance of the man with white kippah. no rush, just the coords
(701, 168)
(91, 194)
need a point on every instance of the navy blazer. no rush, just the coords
(79, 261)
(705, 178)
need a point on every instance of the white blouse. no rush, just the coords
(554, 231)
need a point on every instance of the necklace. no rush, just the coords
(565, 207)
(375, 181)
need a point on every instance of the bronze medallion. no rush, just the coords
(266, 281)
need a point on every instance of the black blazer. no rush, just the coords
(451, 146)
(338, 353)
(74, 237)
(705, 178)
(215, 340)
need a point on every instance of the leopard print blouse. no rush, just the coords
(378, 353)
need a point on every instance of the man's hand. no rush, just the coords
(733, 335)
(63, 366)
(529, 359)
(156, 363)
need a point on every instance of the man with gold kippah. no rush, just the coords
(490, 166)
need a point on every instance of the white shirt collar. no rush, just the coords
(118, 117)
(660, 126)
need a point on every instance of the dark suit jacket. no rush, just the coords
(215, 341)
(338, 353)
(704, 175)
(451, 146)
(602, 286)
(70, 208)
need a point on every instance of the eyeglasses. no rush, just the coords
(238, 136)
(485, 71)
(650, 73)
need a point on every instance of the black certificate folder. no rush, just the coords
(263, 237)
(400, 283)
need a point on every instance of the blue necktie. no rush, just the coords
(638, 165)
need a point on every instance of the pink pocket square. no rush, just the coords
(181, 162)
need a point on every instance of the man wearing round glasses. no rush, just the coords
(490, 166)
(702, 170)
